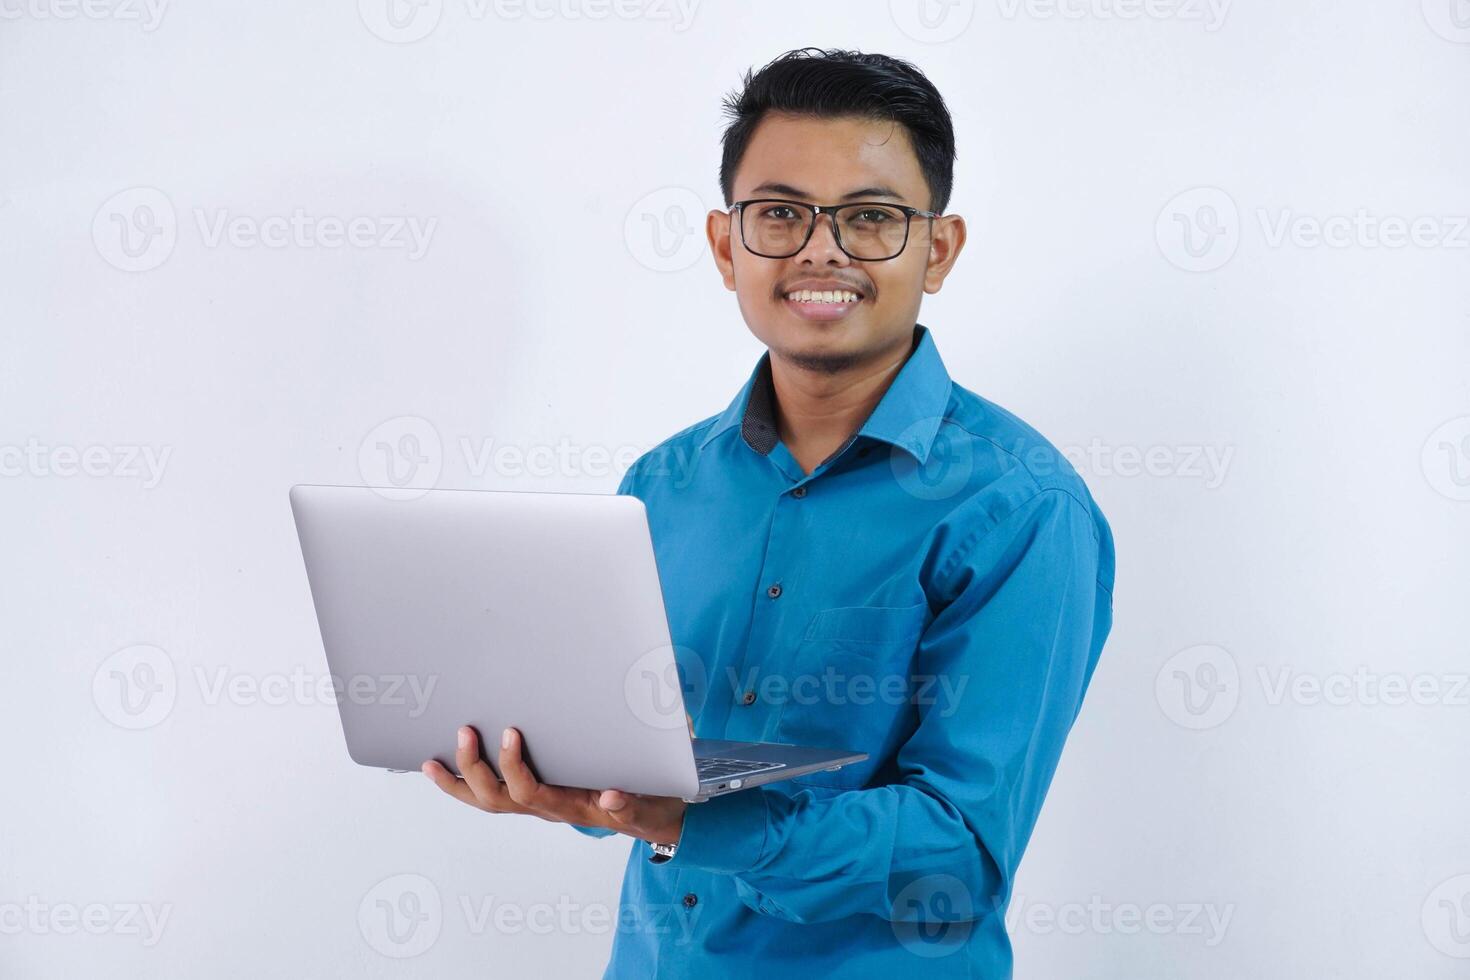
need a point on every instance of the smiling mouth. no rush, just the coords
(824, 296)
(822, 305)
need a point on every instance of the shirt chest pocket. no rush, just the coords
(849, 686)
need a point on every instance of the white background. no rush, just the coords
(1322, 828)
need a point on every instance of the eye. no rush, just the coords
(873, 216)
(779, 212)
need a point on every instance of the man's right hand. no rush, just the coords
(656, 819)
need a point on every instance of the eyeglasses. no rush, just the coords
(869, 232)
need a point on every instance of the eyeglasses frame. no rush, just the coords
(830, 210)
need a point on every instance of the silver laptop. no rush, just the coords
(542, 611)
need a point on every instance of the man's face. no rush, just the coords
(833, 161)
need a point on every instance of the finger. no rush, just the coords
(616, 802)
(625, 811)
(449, 782)
(561, 803)
(647, 817)
(520, 782)
(488, 790)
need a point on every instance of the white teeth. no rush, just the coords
(823, 296)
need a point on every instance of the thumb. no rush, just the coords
(615, 802)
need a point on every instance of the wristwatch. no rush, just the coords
(661, 852)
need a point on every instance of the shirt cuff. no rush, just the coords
(725, 834)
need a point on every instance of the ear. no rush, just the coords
(717, 227)
(944, 249)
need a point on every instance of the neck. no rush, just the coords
(817, 411)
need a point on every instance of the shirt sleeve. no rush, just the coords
(1022, 628)
(625, 486)
(592, 831)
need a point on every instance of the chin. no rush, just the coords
(818, 349)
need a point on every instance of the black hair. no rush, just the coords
(811, 81)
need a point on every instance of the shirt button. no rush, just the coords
(691, 900)
(799, 492)
(774, 591)
(748, 697)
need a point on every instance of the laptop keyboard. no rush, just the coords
(717, 768)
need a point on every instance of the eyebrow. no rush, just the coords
(862, 193)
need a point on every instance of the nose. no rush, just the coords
(822, 247)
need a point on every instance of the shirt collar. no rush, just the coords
(907, 416)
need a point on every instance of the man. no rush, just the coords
(856, 553)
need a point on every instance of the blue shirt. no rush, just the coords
(936, 594)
